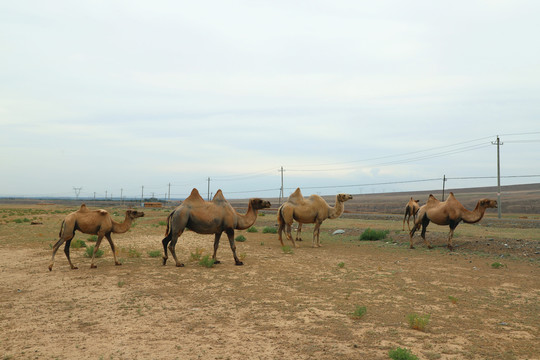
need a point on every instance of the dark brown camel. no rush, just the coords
(208, 217)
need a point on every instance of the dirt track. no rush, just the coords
(275, 306)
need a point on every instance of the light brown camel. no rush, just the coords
(313, 210)
(93, 222)
(410, 210)
(208, 217)
(449, 212)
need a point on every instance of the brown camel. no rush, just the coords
(209, 217)
(410, 210)
(313, 210)
(449, 212)
(93, 222)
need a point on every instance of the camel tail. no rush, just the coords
(62, 228)
(167, 230)
(280, 218)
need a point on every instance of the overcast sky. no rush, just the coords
(348, 96)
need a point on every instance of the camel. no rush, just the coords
(410, 210)
(209, 217)
(307, 211)
(93, 222)
(449, 212)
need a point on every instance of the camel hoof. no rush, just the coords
(411, 247)
(238, 263)
(217, 262)
(50, 267)
(164, 261)
(117, 264)
(430, 247)
(92, 266)
(76, 268)
(178, 265)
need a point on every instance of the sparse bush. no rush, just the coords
(133, 253)
(206, 261)
(401, 354)
(418, 322)
(359, 311)
(77, 244)
(287, 249)
(454, 300)
(240, 238)
(92, 238)
(162, 223)
(269, 230)
(252, 229)
(196, 256)
(90, 250)
(341, 265)
(373, 235)
(154, 253)
(497, 265)
(121, 283)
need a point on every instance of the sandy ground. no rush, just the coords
(276, 306)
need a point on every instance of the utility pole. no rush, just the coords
(281, 195)
(121, 194)
(94, 196)
(105, 195)
(498, 143)
(443, 181)
(169, 197)
(142, 194)
(77, 192)
(209, 189)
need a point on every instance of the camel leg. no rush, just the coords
(280, 232)
(316, 233)
(289, 236)
(451, 235)
(299, 232)
(113, 248)
(55, 249)
(405, 217)
(216, 245)
(66, 251)
(166, 242)
(96, 247)
(425, 223)
(230, 234)
(172, 246)
(411, 234)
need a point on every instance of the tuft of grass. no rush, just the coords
(196, 256)
(162, 223)
(287, 249)
(454, 300)
(418, 322)
(206, 261)
(92, 238)
(240, 238)
(373, 235)
(269, 230)
(154, 253)
(252, 229)
(402, 354)
(121, 283)
(341, 265)
(77, 244)
(359, 312)
(497, 265)
(133, 253)
(90, 250)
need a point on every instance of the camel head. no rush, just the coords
(258, 204)
(487, 203)
(133, 214)
(344, 197)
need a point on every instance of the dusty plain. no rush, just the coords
(278, 305)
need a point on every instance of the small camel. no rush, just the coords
(410, 210)
(449, 212)
(93, 222)
(307, 211)
(208, 217)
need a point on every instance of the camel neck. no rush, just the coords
(474, 216)
(248, 219)
(337, 210)
(120, 228)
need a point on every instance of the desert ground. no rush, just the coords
(483, 299)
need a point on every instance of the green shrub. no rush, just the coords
(90, 250)
(269, 230)
(401, 354)
(372, 235)
(497, 265)
(453, 299)
(92, 238)
(77, 244)
(162, 223)
(154, 253)
(359, 311)
(252, 229)
(196, 256)
(240, 238)
(206, 261)
(341, 265)
(133, 253)
(287, 249)
(418, 322)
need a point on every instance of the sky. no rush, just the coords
(140, 98)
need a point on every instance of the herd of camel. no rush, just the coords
(218, 216)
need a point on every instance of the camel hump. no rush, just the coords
(296, 196)
(103, 212)
(194, 196)
(83, 208)
(219, 196)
